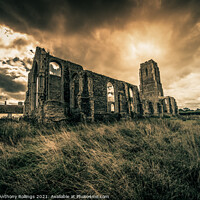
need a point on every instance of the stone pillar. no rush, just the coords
(127, 98)
(87, 100)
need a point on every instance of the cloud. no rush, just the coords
(75, 15)
(8, 84)
(18, 62)
(15, 44)
(18, 43)
(186, 90)
(84, 17)
(107, 36)
(15, 61)
(13, 76)
(11, 97)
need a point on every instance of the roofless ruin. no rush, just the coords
(62, 90)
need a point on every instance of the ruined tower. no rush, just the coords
(150, 84)
(151, 92)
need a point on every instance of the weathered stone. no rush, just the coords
(65, 91)
(151, 92)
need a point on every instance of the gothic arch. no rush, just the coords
(146, 71)
(55, 68)
(55, 85)
(159, 108)
(110, 92)
(131, 99)
(131, 92)
(150, 108)
(35, 86)
(110, 97)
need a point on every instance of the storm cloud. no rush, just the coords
(8, 84)
(83, 16)
(13, 61)
(75, 15)
(113, 37)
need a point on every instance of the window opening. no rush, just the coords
(110, 92)
(54, 69)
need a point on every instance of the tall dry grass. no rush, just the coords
(142, 159)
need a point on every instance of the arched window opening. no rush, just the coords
(34, 93)
(159, 108)
(131, 107)
(164, 105)
(54, 82)
(112, 108)
(54, 69)
(151, 110)
(146, 70)
(131, 99)
(110, 92)
(131, 92)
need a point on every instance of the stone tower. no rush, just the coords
(150, 84)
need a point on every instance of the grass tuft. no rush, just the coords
(143, 159)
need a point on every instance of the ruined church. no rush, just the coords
(61, 90)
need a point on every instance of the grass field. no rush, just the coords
(142, 159)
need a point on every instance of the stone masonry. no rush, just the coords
(61, 90)
(151, 92)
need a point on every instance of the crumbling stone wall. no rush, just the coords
(62, 90)
(150, 84)
(120, 105)
(151, 92)
(170, 105)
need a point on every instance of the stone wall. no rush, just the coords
(54, 88)
(62, 90)
(170, 105)
(150, 84)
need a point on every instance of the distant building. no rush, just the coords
(60, 90)
(3, 100)
(11, 111)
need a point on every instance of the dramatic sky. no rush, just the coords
(111, 37)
